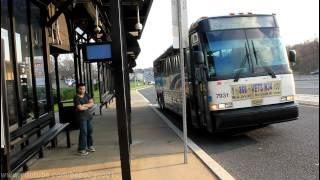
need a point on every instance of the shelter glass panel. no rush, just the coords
(23, 59)
(38, 59)
(67, 78)
(7, 57)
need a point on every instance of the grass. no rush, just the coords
(96, 97)
(55, 107)
(137, 85)
(96, 100)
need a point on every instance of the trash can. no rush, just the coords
(68, 115)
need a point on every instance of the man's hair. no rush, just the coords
(81, 84)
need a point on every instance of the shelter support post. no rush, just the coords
(119, 61)
(57, 82)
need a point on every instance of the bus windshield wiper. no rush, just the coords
(243, 62)
(266, 68)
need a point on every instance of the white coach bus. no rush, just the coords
(237, 74)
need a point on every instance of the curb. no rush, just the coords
(145, 87)
(308, 99)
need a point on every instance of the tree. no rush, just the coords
(307, 56)
(66, 69)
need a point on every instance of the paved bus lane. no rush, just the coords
(287, 150)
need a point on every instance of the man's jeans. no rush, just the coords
(85, 135)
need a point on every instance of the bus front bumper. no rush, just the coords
(255, 116)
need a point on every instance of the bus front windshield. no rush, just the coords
(245, 51)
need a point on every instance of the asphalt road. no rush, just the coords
(287, 150)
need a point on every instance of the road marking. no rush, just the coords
(143, 96)
(146, 87)
(202, 155)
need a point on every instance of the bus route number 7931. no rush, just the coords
(222, 95)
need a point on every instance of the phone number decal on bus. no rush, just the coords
(253, 91)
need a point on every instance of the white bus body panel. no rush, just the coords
(220, 92)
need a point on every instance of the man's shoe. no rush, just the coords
(91, 149)
(83, 153)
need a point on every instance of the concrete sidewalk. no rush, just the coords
(308, 99)
(156, 152)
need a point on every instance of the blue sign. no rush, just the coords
(97, 52)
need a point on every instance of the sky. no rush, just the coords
(298, 21)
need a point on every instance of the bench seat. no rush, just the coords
(20, 159)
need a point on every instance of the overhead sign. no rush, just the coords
(97, 52)
(175, 23)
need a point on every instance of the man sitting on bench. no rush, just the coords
(83, 102)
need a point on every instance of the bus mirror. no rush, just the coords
(197, 57)
(292, 56)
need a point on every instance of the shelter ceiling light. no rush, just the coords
(138, 26)
(97, 29)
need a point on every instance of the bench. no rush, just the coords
(105, 100)
(21, 158)
(42, 121)
(92, 110)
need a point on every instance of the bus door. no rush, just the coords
(200, 87)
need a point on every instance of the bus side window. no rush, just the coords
(161, 67)
(169, 66)
(166, 67)
(176, 61)
(172, 64)
(177, 64)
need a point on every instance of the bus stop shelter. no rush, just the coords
(33, 35)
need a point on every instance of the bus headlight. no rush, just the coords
(215, 107)
(287, 98)
(221, 106)
(290, 98)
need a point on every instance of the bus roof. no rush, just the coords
(169, 51)
(202, 22)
